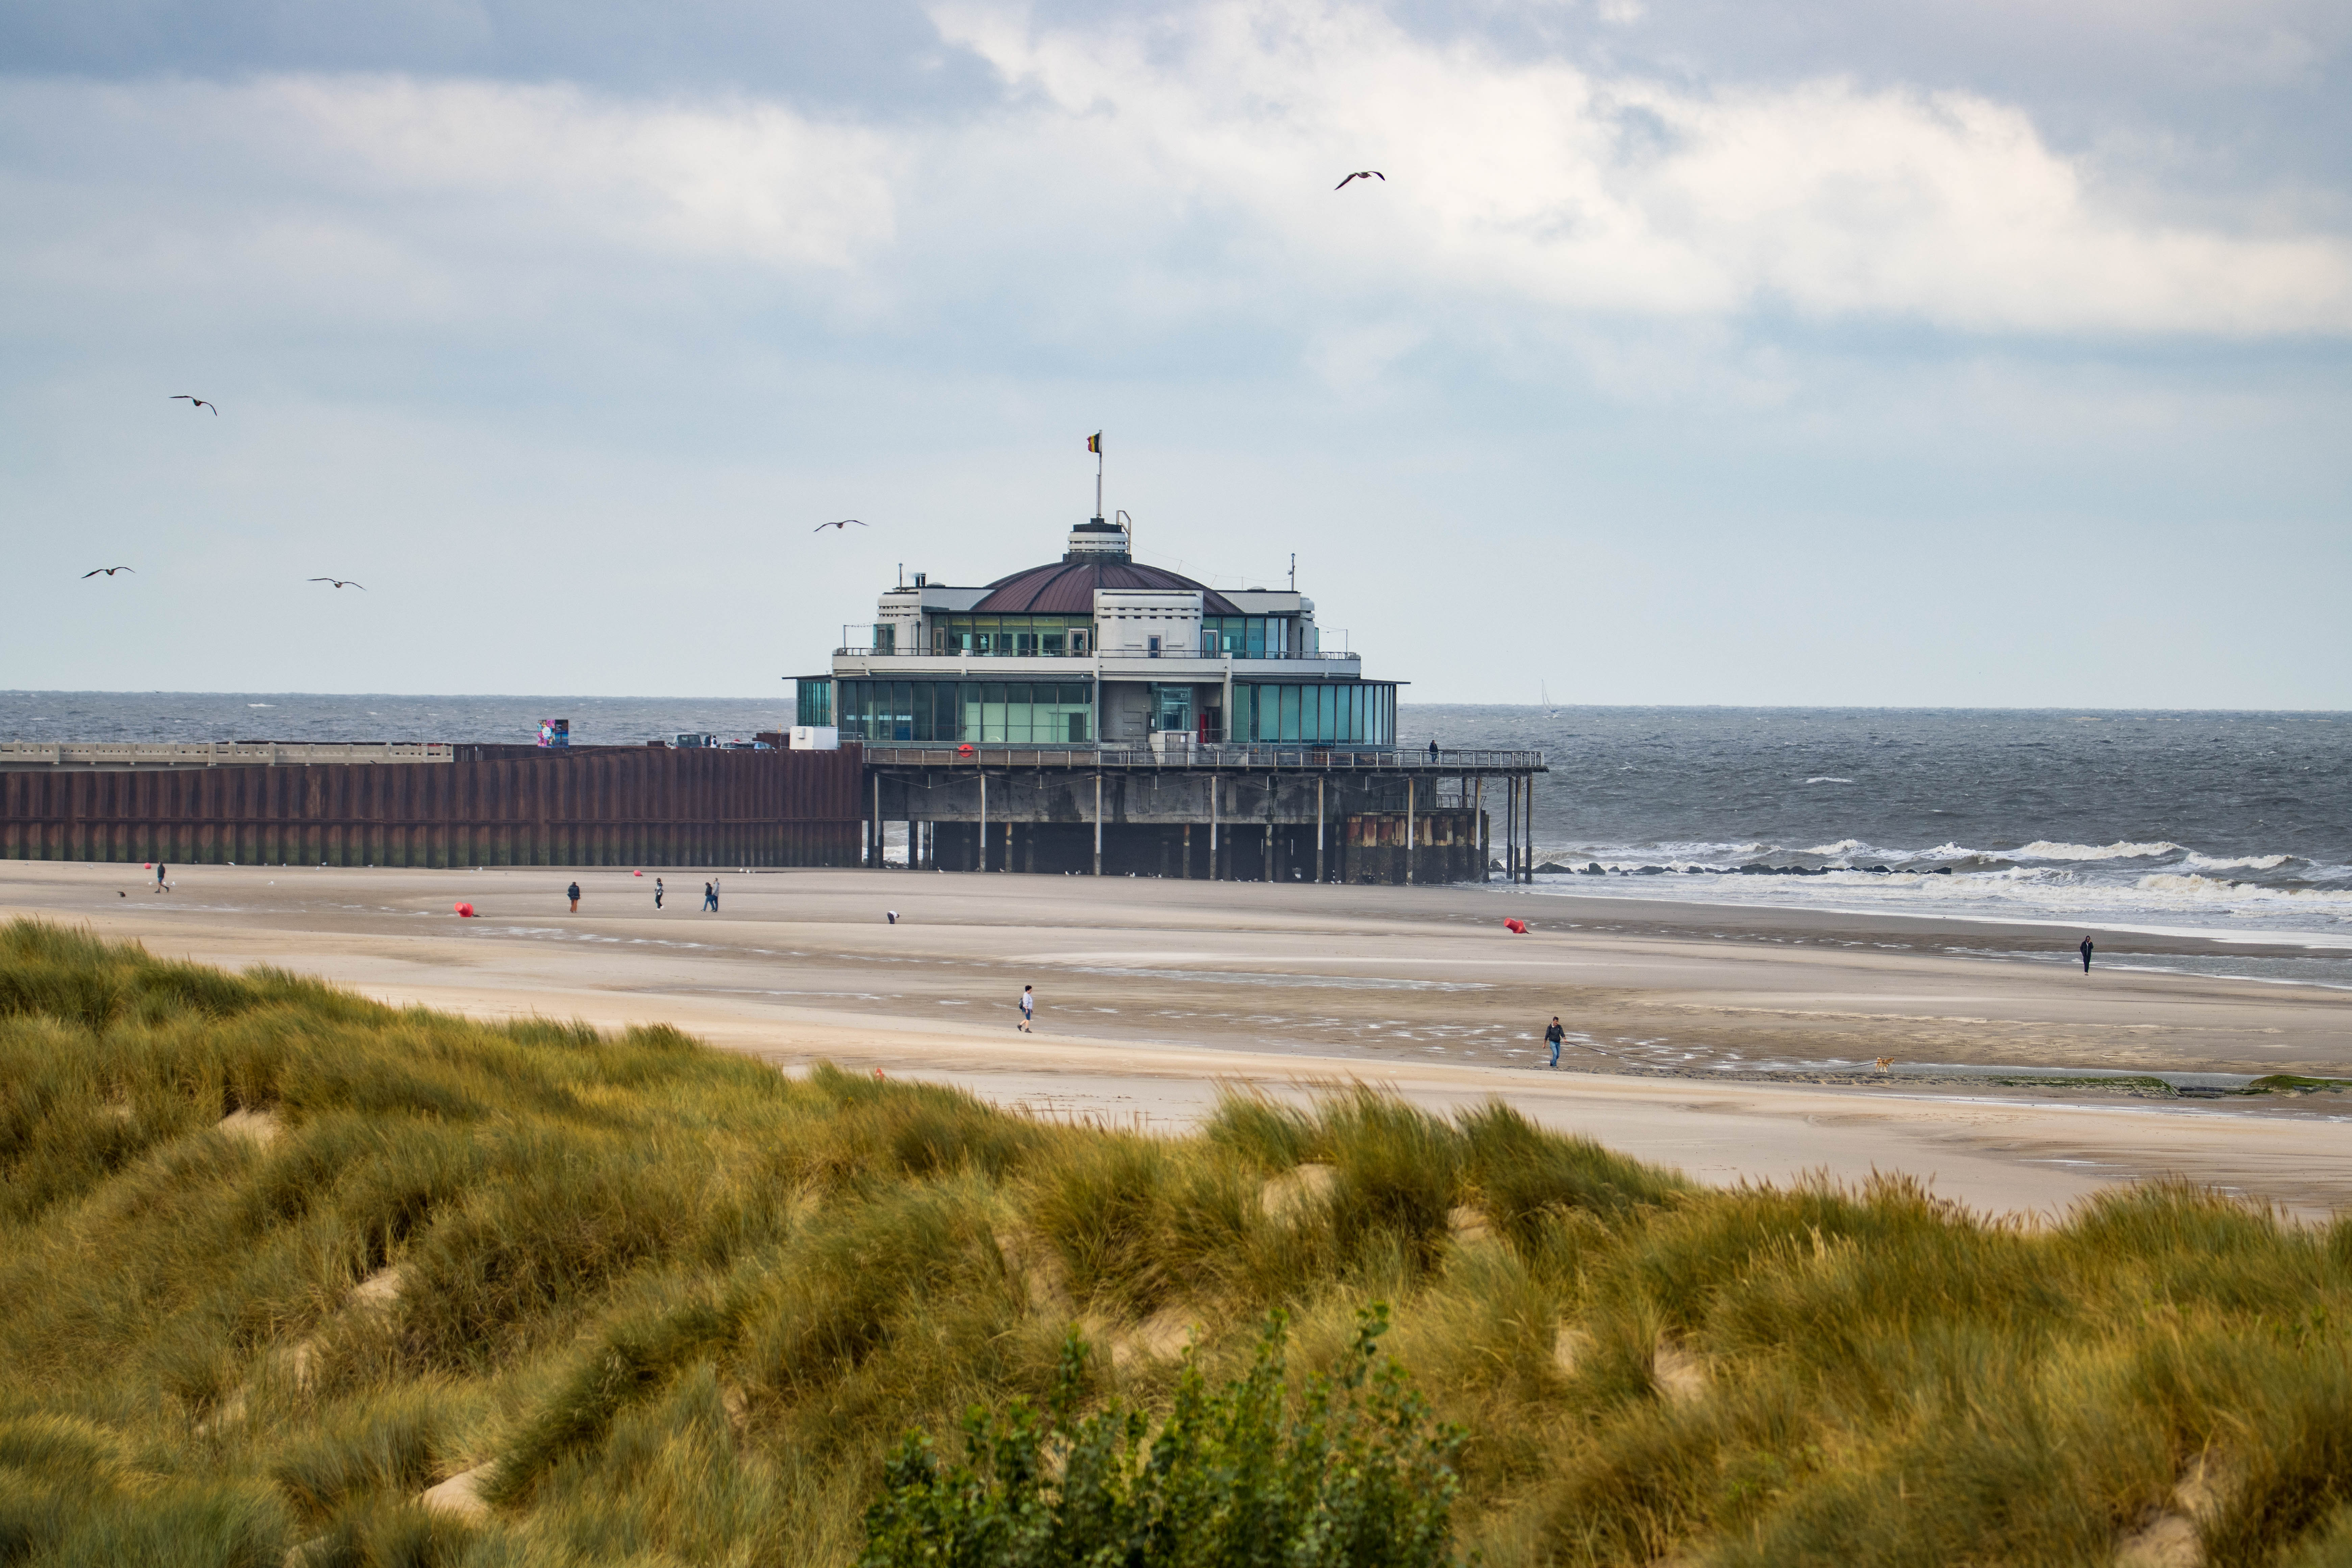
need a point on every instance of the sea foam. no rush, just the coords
(2044, 849)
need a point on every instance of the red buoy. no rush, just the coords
(1515, 927)
(465, 911)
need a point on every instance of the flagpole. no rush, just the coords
(1098, 471)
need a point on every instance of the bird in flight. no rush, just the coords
(1362, 174)
(342, 583)
(195, 403)
(842, 523)
(107, 571)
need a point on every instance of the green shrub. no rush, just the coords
(1355, 1473)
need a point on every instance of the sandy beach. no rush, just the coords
(1735, 1044)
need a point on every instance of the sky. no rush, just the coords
(1779, 351)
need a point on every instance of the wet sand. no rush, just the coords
(1699, 1032)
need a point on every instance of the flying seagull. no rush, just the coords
(842, 523)
(1362, 174)
(195, 403)
(342, 583)
(107, 571)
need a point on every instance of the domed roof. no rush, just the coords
(1066, 587)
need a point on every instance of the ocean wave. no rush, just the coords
(2222, 887)
(1842, 846)
(2044, 849)
(2060, 892)
(1826, 779)
(2244, 863)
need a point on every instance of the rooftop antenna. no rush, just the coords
(1294, 570)
(1128, 524)
(902, 573)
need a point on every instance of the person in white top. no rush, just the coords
(1028, 1009)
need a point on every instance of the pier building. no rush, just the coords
(1096, 714)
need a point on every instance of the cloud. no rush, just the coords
(376, 196)
(1145, 179)
(739, 180)
(1552, 184)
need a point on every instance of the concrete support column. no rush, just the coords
(1008, 846)
(1216, 788)
(1408, 830)
(1186, 874)
(1271, 779)
(1511, 829)
(1527, 834)
(1478, 834)
(980, 854)
(874, 830)
(1319, 828)
(1099, 822)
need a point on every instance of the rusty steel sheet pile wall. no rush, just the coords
(493, 805)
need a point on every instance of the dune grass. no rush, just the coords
(274, 1260)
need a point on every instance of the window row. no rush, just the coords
(1351, 714)
(1014, 637)
(989, 712)
(1256, 637)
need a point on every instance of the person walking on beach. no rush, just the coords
(1553, 1037)
(159, 875)
(1028, 1010)
(657, 892)
(714, 895)
(2085, 950)
(573, 892)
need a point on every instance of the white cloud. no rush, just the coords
(1148, 178)
(1547, 184)
(520, 165)
(745, 180)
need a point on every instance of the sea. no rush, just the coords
(2197, 822)
(2209, 823)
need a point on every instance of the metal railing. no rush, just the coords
(1262, 759)
(1102, 653)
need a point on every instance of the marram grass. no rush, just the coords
(274, 1260)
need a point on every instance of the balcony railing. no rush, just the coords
(1105, 653)
(1260, 758)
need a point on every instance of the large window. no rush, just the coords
(1335, 713)
(1013, 636)
(982, 712)
(1252, 637)
(814, 701)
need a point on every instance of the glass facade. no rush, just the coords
(1256, 637)
(814, 699)
(1013, 636)
(951, 713)
(1333, 713)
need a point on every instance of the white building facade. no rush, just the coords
(1097, 650)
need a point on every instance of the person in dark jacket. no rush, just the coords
(1553, 1037)
(2085, 950)
(573, 892)
(657, 892)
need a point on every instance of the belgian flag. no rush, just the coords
(1094, 443)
